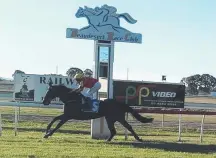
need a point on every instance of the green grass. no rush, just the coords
(73, 139)
(164, 145)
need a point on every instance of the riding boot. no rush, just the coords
(87, 105)
(90, 105)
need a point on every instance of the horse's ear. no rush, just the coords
(50, 84)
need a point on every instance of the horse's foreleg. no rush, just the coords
(56, 128)
(129, 127)
(110, 124)
(51, 123)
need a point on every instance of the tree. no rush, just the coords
(208, 83)
(199, 83)
(18, 72)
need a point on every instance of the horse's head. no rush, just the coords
(65, 94)
(55, 91)
(80, 13)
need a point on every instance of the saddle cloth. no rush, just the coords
(91, 105)
(95, 103)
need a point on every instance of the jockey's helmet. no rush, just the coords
(79, 76)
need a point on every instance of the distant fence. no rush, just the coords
(60, 106)
(179, 112)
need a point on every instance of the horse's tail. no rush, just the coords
(137, 115)
(127, 17)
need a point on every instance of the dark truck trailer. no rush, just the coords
(149, 94)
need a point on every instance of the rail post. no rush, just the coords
(201, 129)
(16, 120)
(179, 136)
(0, 125)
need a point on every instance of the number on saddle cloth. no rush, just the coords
(91, 104)
(95, 102)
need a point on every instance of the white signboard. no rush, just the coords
(104, 24)
(33, 88)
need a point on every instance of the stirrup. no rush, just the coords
(86, 110)
(89, 110)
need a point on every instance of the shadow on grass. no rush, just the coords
(171, 146)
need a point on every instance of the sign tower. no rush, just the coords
(104, 28)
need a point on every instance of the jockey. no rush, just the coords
(87, 82)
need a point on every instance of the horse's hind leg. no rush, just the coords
(51, 123)
(129, 127)
(110, 124)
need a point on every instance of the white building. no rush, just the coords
(6, 90)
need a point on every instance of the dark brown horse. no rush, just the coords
(111, 109)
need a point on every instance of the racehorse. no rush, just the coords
(111, 109)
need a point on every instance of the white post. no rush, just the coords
(126, 131)
(201, 129)
(179, 137)
(19, 112)
(0, 125)
(110, 71)
(63, 107)
(16, 120)
(162, 120)
(126, 101)
(99, 127)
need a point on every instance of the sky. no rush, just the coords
(179, 38)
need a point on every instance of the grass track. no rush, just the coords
(73, 140)
(79, 145)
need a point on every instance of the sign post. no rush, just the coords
(104, 28)
(99, 127)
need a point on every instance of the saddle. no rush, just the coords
(90, 105)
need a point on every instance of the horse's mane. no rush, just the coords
(62, 87)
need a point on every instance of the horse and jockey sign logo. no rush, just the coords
(104, 24)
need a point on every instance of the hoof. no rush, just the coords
(151, 119)
(140, 140)
(148, 120)
(48, 131)
(46, 135)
